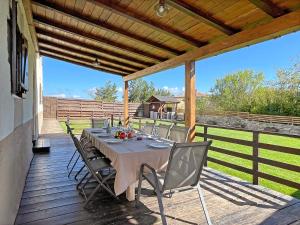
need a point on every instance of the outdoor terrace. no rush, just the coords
(50, 197)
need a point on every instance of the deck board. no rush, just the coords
(50, 197)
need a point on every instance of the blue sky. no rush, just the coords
(68, 80)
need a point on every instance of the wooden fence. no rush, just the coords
(62, 108)
(255, 157)
(292, 120)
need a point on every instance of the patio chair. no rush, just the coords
(148, 128)
(179, 134)
(163, 130)
(70, 131)
(99, 123)
(184, 169)
(91, 153)
(99, 169)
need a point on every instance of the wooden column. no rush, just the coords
(190, 98)
(126, 115)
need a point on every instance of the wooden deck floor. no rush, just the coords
(51, 198)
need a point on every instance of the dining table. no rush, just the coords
(128, 155)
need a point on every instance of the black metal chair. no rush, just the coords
(99, 169)
(184, 169)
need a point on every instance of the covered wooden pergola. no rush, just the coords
(127, 38)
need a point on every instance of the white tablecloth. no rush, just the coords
(127, 157)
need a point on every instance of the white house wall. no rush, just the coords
(17, 125)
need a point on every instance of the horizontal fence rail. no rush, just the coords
(61, 108)
(292, 120)
(254, 157)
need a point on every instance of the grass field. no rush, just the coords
(78, 125)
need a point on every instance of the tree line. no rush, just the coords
(248, 91)
(138, 91)
(243, 91)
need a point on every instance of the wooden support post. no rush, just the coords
(255, 156)
(126, 115)
(190, 98)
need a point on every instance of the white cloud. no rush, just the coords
(92, 90)
(60, 95)
(76, 96)
(174, 90)
(120, 89)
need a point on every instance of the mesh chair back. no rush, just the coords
(185, 164)
(148, 128)
(81, 151)
(179, 134)
(98, 123)
(163, 130)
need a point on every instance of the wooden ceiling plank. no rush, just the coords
(88, 54)
(79, 54)
(63, 38)
(129, 14)
(268, 7)
(28, 14)
(200, 15)
(279, 26)
(45, 53)
(105, 26)
(78, 58)
(96, 38)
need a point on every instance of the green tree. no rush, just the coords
(140, 90)
(107, 93)
(163, 92)
(236, 92)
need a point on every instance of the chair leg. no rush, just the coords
(161, 207)
(73, 166)
(71, 158)
(79, 172)
(92, 195)
(139, 189)
(80, 182)
(203, 204)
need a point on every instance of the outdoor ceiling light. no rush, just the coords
(96, 62)
(161, 8)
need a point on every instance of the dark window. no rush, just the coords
(17, 56)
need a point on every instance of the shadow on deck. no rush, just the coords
(49, 197)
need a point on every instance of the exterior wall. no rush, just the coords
(17, 119)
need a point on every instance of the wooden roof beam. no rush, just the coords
(129, 14)
(105, 26)
(69, 60)
(141, 64)
(279, 26)
(66, 52)
(82, 59)
(201, 16)
(96, 38)
(268, 7)
(103, 59)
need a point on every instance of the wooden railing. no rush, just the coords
(292, 120)
(255, 158)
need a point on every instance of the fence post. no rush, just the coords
(255, 156)
(205, 139)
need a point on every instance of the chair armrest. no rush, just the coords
(148, 166)
(154, 174)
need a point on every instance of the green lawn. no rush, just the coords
(78, 125)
